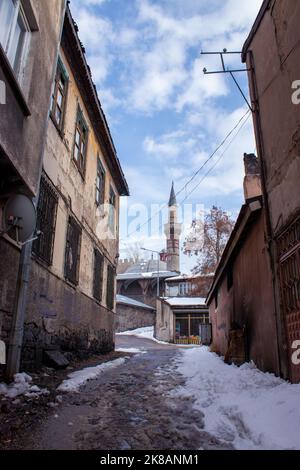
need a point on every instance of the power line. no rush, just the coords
(198, 171)
(216, 163)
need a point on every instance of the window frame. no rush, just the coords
(112, 209)
(100, 191)
(81, 128)
(73, 224)
(46, 190)
(7, 44)
(110, 287)
(60, 73)
(98, 257)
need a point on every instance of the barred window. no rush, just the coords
(110, 294)
(46, 221)
(72, 255)
(98, 275)
(100, 183)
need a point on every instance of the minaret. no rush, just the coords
(173, 232)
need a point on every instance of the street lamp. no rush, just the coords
(158, 260)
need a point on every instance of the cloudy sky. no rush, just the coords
(165, 116)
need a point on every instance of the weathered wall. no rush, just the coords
(221, 318)
(164, 325)
(249, 302)
(59, 316)
(276, 50)
(58, 313)
(79, 194)
(21, 137)
(130, 318)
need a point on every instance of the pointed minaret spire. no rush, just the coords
(172, 200)
(173, 232)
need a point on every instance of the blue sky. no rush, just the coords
(165, 116)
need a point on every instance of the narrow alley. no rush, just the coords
(128, 407)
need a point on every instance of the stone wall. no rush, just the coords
(130, 318)
(60, 316)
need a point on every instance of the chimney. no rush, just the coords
(252, 180)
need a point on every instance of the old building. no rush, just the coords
(29, 38)
(182, 310)
(240, 301)
(139, 282)
(271, 53)
(188, 286)
(178, 319)
(71, 301)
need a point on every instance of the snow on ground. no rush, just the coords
(79, 378)
(146, 332)
(242, 406)
(22, 385)
(131, 350)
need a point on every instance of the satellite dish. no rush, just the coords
(19, 218)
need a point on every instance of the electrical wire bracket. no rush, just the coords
(225, 70)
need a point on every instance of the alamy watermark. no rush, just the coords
(2, 353)
(2, 92)
(296, 353)
(296, 93)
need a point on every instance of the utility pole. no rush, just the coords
(158, 269)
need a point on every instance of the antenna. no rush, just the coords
(19, 219)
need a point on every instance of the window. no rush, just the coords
(14, 31)
(110, 293)
(80, 144)
(72, 255)
(46, 221)
(98, 275)
(100, 183)
(59, 95)
(112, 210)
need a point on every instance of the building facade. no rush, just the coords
(179, 319)
(240, 301)
(272, 56)
(188, 286)
(29, 39)
(71, 301)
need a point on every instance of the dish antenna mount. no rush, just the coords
(19, 219)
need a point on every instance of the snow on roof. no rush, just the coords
(146, 275)
(121, 299)
(186, 277)
(185, 301)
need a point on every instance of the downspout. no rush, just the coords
(19, 310)
(280, 332)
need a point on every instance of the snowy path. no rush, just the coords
(242, 406)
(164, 397)
(128, 407)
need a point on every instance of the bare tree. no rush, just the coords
(215, 231)
(134, 252)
